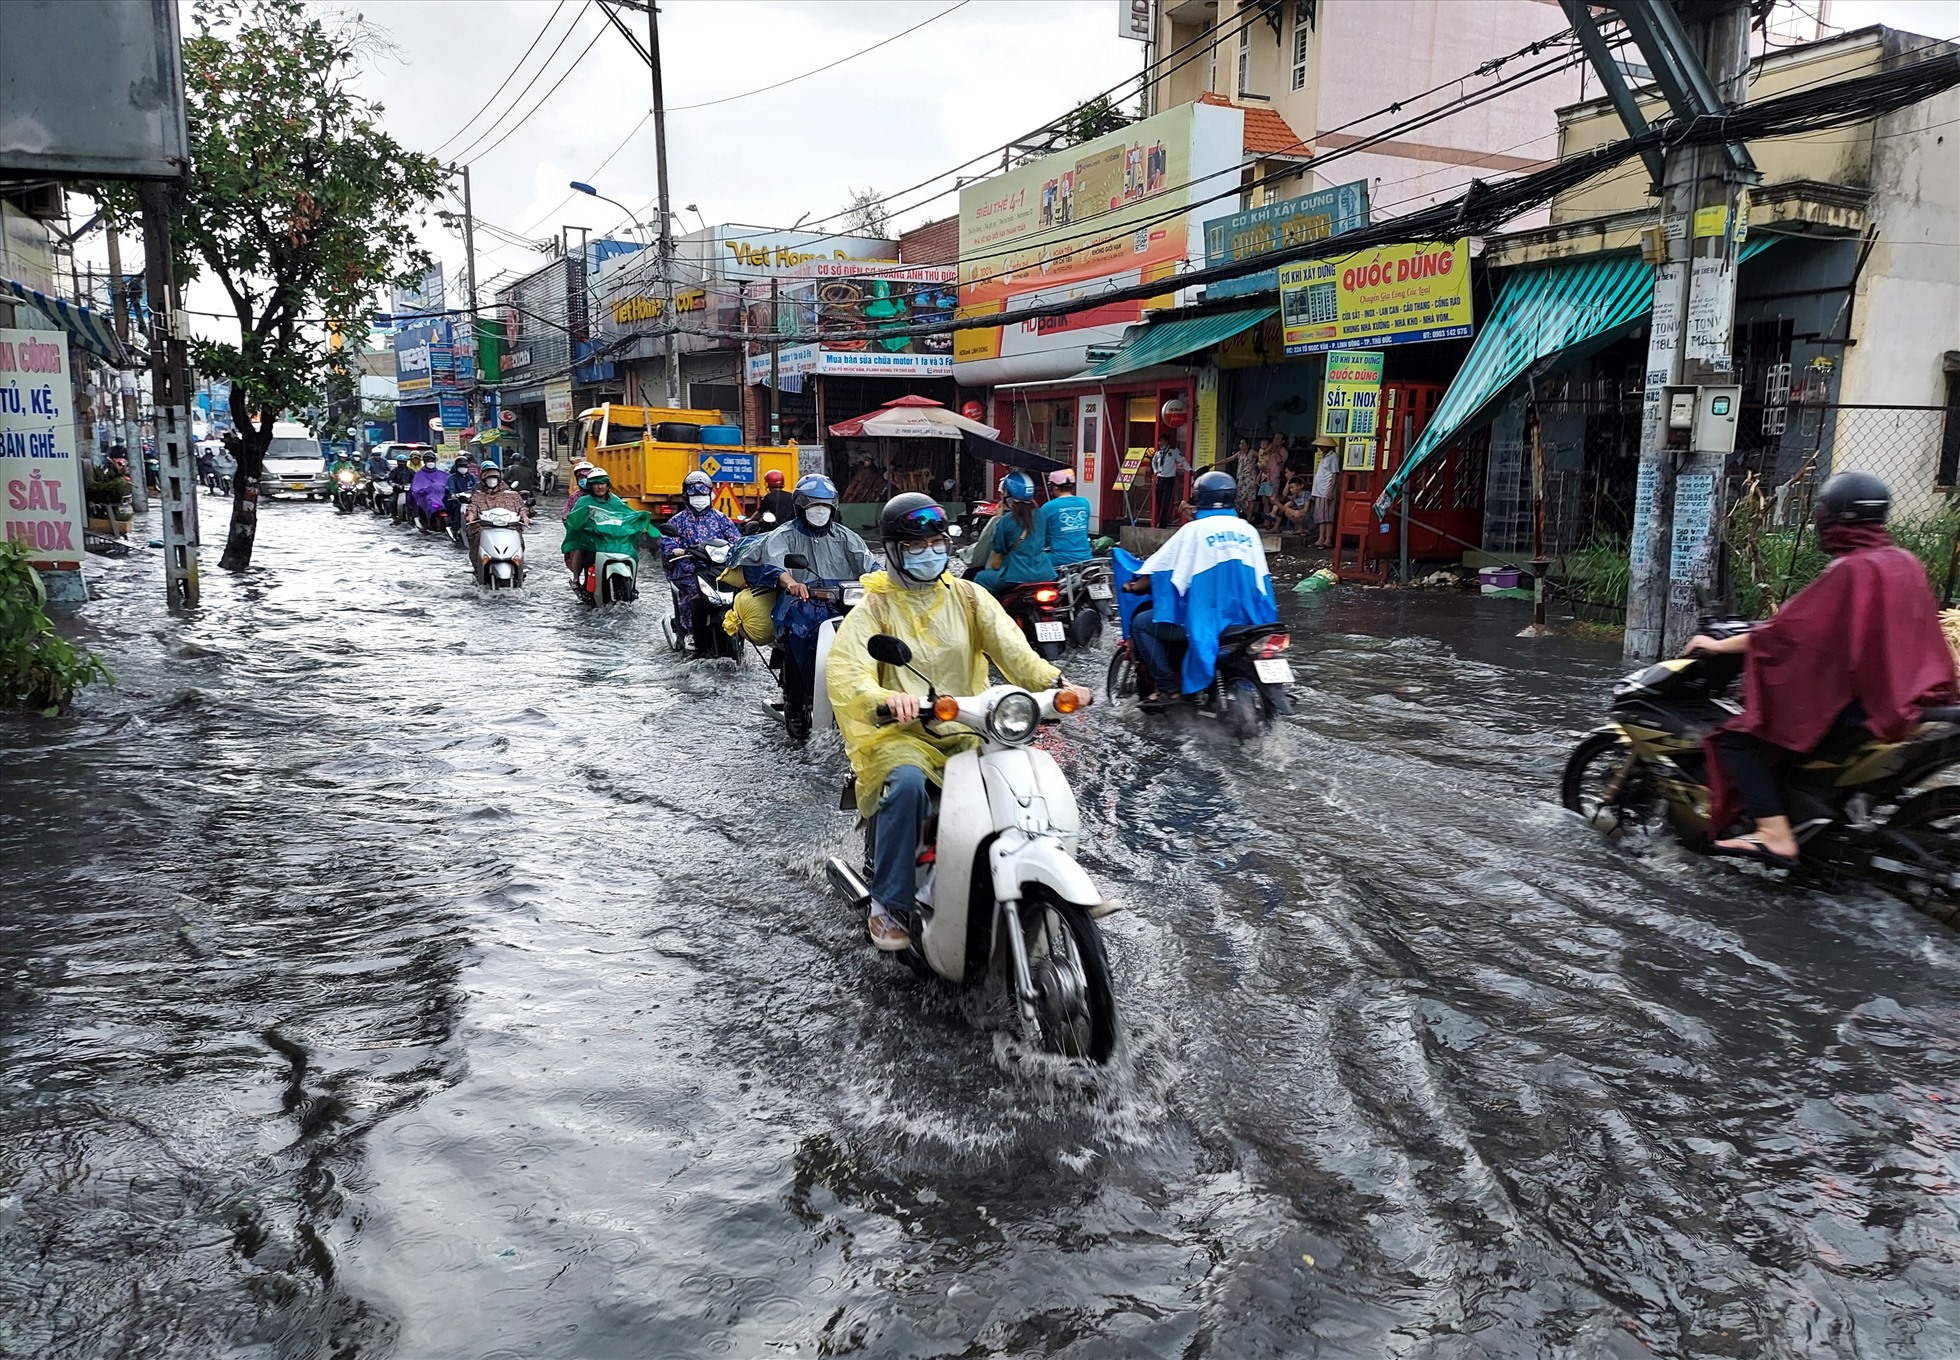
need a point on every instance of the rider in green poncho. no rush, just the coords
(602, 522)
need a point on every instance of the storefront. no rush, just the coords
(1105, 429)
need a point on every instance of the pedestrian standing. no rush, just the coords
(1245, 471)
(1167, 463)
(1325, 473)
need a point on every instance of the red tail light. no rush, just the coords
(1272, 644)
(1047, 595)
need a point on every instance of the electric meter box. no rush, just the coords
(1700, 419)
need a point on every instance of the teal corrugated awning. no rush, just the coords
(1541, 312)
(1163, 341)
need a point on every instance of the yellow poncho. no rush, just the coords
(953, 629)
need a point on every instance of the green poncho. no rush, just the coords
(607, 525)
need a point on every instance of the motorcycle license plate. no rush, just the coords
(1101, 592)
(1273, 670)
(1048, 630)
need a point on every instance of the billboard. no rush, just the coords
(1117, 209)
(754, 253)
(1394, 295)
(836, 298)
(92, 89)
(1311, 217)
(415, 360)
(40, 480)
(422, 298)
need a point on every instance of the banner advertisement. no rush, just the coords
(413, 375)
(454, 413)
(1204, 434)
(42, 505)
(798, 361)
(1351, 395)
(558, 402)
(1129, 203)
(1317, 216)
(840, 298)
(420, 298)
(1395, 295)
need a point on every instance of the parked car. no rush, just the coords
(294, 464)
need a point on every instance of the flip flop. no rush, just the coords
(1756, 852)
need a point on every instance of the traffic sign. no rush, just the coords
(729, 467)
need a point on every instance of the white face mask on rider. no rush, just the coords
(817, 516)
(700, 502)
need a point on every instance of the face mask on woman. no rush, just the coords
(700, 502)
(926, 565)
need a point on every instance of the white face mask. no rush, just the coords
(700, 502)
(817, 516)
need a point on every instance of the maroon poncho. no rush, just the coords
(1867, 629)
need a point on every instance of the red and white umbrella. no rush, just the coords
(911, 418)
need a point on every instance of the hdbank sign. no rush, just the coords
(1128, 207)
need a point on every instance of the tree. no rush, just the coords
(866, 213)
(297, 203)
(1090, 120)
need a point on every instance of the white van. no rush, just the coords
(294, 464)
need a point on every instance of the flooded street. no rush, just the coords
(392, 970)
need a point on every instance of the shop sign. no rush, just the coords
(414, 359)
(422, 297)
(1204, 438)
(454, 413)
(558, 401)
(1291, 222)
(798, 360)
(1395, 295)
(764, 254)
(630, 311)
(1133, 20)
(1133, 461)
(837, 299)
(517, 358)
(1350, 405)
(40, 480)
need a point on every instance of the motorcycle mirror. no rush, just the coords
(797, 562)
(888, 650)
(954, 531)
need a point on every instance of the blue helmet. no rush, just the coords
(1017, 486)
(1214, 490)
(814, 489)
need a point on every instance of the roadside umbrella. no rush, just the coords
(911, 418)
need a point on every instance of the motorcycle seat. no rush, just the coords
(1943, 713)
(1246, 632)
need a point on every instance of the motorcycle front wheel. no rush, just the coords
(1606, 784)
(1932, 821)
(1121, 683)
(1075, 1006)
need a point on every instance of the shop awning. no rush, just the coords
(1541, 312)
(1007, 455)
(90, 330)
(1162, 341)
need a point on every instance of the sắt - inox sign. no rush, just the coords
(1317, 216)
(1394, 295)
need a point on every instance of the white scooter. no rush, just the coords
(500, 549)
(1002, 896)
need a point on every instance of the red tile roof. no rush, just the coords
(1266, 133)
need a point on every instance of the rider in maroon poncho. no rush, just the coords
(1859, 647)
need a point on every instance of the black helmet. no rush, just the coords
(1214, 490)
(1852, 498)
(910, 517)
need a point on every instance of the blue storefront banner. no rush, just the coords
(455, 414)
(1317, 216)
(729, 467)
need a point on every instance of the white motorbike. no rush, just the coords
(500, 549)
(1002, 897)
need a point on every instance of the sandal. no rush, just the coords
(1751, 848)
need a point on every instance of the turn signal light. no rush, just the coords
(1047, 595)
(945, 708)
(1066, 701)
(1272, 644)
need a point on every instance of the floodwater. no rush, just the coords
(389, 970)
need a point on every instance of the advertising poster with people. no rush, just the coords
(42, 485)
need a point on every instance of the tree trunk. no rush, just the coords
(253, 441)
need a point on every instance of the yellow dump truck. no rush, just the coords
(648, 449)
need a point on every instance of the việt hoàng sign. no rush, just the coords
(1394, 295)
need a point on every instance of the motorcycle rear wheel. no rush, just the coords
(1932, 820)
(1245, 709)
(1121, 682)
(1613, 800)
(1075, 1006)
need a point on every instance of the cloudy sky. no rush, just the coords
(971, 75)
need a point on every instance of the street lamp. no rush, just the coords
(697, 216)
(588, 189)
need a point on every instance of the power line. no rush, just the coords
(729, 99)
(552, 18)
(471, 152)
(594, 174)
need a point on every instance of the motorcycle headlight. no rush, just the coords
(1014, 718)
(347, 479)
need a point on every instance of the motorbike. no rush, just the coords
(978, 515)
(500, 549)
(842, 597)
(1250, 680)
(760, 523)
(1860, 806)
(1088, 598)
(347, 489)
(1001, 899)
(710, 560)
(1033, 607)
(452, 518)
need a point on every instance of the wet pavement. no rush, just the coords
(392, 970)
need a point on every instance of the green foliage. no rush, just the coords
(1596, 573)
(39, 668)
(298, 203)
(107, 488)
(867, 214)
(1091, 119)
(1768, 564)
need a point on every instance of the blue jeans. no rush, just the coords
(901, 821)
(1153, 641)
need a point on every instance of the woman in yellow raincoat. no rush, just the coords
(953, 628)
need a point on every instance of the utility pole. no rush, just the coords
(469, 274)
(742, 292)
(1676, 541)
(666, 209)
(139, 492)
(170, 388)
(775, 364)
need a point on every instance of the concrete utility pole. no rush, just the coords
(139, 493)
(666, 210)
(1676, 541)
(775, 364)
(469, 273)
(170, 388)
